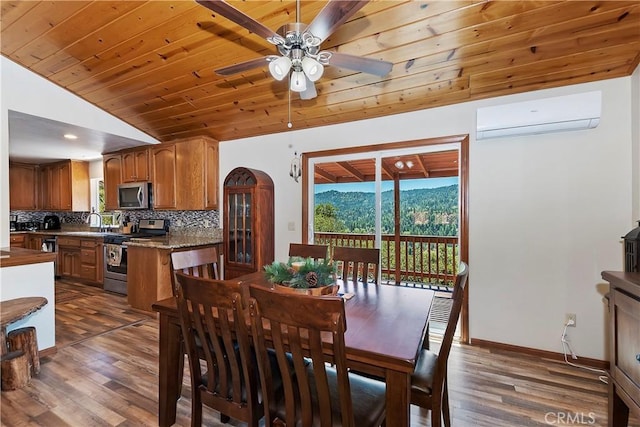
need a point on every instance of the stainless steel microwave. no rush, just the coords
(134, 195)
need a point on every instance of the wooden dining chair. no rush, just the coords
(308, 251)
(213, 323)
(198, 262)
(314, 392)
(429, 380)
(357, 264)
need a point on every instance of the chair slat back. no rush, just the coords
(308, 251)
(456, 306)
(213, 324)
(295, 327)
(200, 262)
(357, 264)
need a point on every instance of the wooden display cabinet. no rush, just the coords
(248, 222)
(624, 370)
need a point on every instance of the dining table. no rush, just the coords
(386, 326)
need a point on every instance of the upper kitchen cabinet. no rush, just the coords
(112, 165)
(23, 181)
(64, 186)
(184, 174)
(163, 176)
(135, 165)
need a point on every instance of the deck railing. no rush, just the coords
(419, 259)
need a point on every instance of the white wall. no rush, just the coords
(26, 92)
(546, 211)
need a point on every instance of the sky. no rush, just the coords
(369, 187)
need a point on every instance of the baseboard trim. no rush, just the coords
(593, 363)
(50, 351)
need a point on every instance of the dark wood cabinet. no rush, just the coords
(17, 240)
(135, 165)
(80, 258)
(64, 186)
(112, 166)
(624, 370)
(23, 181)
(163, 176)
(248, 222)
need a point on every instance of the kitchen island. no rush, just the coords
(149, 265)
(29, 273)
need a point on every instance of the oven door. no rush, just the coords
(115, 268)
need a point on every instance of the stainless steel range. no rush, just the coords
(115, 253)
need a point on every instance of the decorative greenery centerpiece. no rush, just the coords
(302, 273)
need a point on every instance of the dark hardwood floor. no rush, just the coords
(105, 373)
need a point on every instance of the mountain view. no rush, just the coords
(425, 211)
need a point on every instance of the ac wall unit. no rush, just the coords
(557, 114)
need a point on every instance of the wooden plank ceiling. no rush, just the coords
(151, 63)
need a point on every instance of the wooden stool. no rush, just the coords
(25, 339)
(15, 370)
(19, 349)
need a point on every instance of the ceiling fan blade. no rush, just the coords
(244, 66)
(310, 92)
(334, 14)
(376, 67)
(240, 18)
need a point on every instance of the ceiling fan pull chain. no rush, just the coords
(289, 124)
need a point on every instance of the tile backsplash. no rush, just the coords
(185, 222)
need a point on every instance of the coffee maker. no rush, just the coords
(51, 222)
(13, 222)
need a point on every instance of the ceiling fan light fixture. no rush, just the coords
(280, 67)
(298, 81)
(312, 68)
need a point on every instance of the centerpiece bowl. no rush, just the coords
(303, 275)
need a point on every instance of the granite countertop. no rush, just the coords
(200, 237)
(174, 241)
(72, 233)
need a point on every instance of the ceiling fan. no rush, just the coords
(299, 46)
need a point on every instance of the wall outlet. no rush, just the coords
(291, 226)
(570, 319)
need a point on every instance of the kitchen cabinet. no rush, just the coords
(163, 176)
(135, 165)
(184, 174)
(149, 275)
(23, 180)
(80, 258)
(64, 186)
(34, 242)
(248, 222)
(112, 166)
(17, 240)
(69, 257)
(624, 322)
(90, 260)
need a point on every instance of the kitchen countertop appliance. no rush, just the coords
(51, 222)
(115, 253)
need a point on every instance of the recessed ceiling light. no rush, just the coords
(70, 136)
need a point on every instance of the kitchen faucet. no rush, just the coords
(88, 220)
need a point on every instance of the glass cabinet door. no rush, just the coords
(240, 248)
